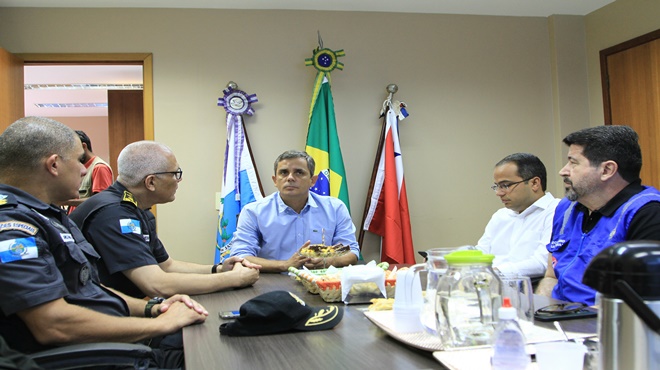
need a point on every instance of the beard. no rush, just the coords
(585, 187)
(571, 193)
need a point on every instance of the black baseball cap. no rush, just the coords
(281, 311)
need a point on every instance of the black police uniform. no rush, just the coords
(44, 257)
(122, 233)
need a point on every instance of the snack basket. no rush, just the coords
(330, 290)
(308, 278)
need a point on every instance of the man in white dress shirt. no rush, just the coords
(518, 234)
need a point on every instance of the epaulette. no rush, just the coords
(128, 198)
(7, 200)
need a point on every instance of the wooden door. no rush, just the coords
(12, 98)
(125, 120)
(631, 90)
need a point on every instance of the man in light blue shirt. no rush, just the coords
(270, 232)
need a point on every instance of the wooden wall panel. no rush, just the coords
(12, 96)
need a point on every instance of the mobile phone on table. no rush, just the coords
(565, 311)
(229, 314)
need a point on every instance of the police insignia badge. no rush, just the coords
(128, 197)
(84, 275)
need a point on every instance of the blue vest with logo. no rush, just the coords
(572, 250)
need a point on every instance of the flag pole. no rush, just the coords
(391, 89)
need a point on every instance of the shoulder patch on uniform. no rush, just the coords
(7, 200)
(18, 249)
(18, 225)
(130, 226)
(128, 197)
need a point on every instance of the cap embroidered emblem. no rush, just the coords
(323, 316)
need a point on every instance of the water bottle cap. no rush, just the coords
(506, 312)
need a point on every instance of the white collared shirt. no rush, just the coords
(518, 240)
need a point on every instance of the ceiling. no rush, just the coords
(534, 8)
(129, 75)
(73, 91)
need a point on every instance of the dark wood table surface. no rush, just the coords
(355, 343)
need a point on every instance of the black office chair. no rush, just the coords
(80, 356)
(94, 355)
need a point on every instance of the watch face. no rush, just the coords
(236, 103)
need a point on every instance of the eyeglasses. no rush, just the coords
(508, 186)
(178, 174)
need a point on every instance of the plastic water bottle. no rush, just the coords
(509, 345)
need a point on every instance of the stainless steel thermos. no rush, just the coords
(627, 278)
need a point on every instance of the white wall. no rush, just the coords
(477, 88)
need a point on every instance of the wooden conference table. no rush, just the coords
(356, 343)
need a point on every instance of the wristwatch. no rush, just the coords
(150, 304)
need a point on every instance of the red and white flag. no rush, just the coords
(388, 214)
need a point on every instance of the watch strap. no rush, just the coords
(150, 304)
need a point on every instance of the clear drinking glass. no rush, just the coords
(436, 266)
(519, 290)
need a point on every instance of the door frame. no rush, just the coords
(604, 77)
(144, 59)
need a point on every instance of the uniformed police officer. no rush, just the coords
(118, 223)
(51, 294)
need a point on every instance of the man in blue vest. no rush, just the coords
(605, 204)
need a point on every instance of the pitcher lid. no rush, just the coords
(469, 257)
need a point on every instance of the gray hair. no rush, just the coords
(291, 154)
(139, 160)
(29, 140)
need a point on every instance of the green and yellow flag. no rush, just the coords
(322, 138)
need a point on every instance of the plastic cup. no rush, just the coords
(560, 355)
(406, 319)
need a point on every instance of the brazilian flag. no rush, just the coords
(322, 138)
